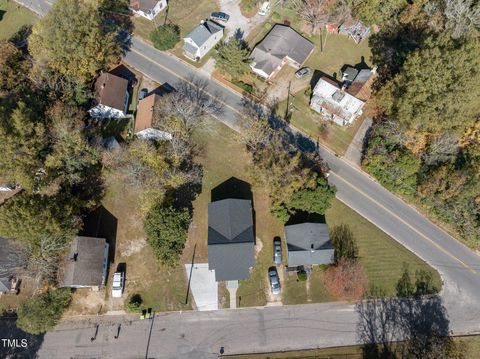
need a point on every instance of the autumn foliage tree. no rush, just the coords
(346, 280)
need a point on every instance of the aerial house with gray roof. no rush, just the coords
(85, 265)
(308, 244)
(202, 39)
(231, 239)
(281, 46)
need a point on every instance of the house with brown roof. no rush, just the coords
(147, 8)
(111, 97)
(144, 120)
(85, 265)
(280, 47)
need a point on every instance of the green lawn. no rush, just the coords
(13, 17)
(181, 13)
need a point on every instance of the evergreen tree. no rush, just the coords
(405, 287)
(165, 37)
(233, 58)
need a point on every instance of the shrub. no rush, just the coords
(134, 303)
(302, 276)
(165, 37)
(244, 86)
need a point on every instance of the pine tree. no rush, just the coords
(233, 58)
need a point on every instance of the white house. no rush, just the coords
(147, 8)
(111, 97)
(202, 39)
(334, 103)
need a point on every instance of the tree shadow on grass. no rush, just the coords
(421, 325)
(17, 343)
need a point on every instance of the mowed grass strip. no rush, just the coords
(13, 17)
(382, 257)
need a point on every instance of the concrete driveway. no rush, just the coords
(237, 20)
(203, 286)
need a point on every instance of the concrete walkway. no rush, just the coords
(203, 286)
(355, 150)
(232, 286)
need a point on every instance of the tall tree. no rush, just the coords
(424, 98)
(74, 40)
(376, 12)
(23, 146)
(41, 312)
(233, 57)
(313, 200)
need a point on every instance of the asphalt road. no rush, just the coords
(200, 334)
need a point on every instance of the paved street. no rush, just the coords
(201, 334)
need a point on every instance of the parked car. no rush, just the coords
(302, 72)
(277, 250)
(274, 280)
(264, 9)
(219, 16)
(118, 284)
(142, 94)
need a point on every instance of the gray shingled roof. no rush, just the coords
(203, 32)
(230, 239)
(281, 41)
(8, 257)
(4, 285)
(87, 269)
(308, 243)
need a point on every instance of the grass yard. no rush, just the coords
(13, 17)
(161, 288)
(224, 157)
(336, 137)
(471, 345)
(381, 256)
(181, 13)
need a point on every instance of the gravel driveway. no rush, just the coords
(237, 20)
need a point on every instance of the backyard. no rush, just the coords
(13, 17)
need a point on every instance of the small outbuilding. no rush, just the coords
(308, 244)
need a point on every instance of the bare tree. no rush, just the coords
(187, 108)
(462, 16)
(318, 13)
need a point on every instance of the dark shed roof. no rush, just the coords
(230, 238)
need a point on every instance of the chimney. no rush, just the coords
(344, 87)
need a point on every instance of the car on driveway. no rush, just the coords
(303, 72)
(277, 250)
(220, 16)
(118, 284)
(274, 280)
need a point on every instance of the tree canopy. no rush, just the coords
(73, 40)
(165, 37)
(233, 57)
(41, 312)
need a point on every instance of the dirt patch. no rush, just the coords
(86, 301)
(258, 246)
(132, 247)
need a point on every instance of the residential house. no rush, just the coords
(354, 29)
(308, 244)
(360, 87)
(231, 239)
(11, 261)
(281, 46)
(86, 264)
(111, 97)
(144, 120)
(149, 9)
(334, 103)
(202, 39)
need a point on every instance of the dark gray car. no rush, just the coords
(219, 16)
(277, 250)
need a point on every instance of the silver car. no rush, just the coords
(274, 281)
(277, 250)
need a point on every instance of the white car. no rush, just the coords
(264, 9)
(117, 285)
